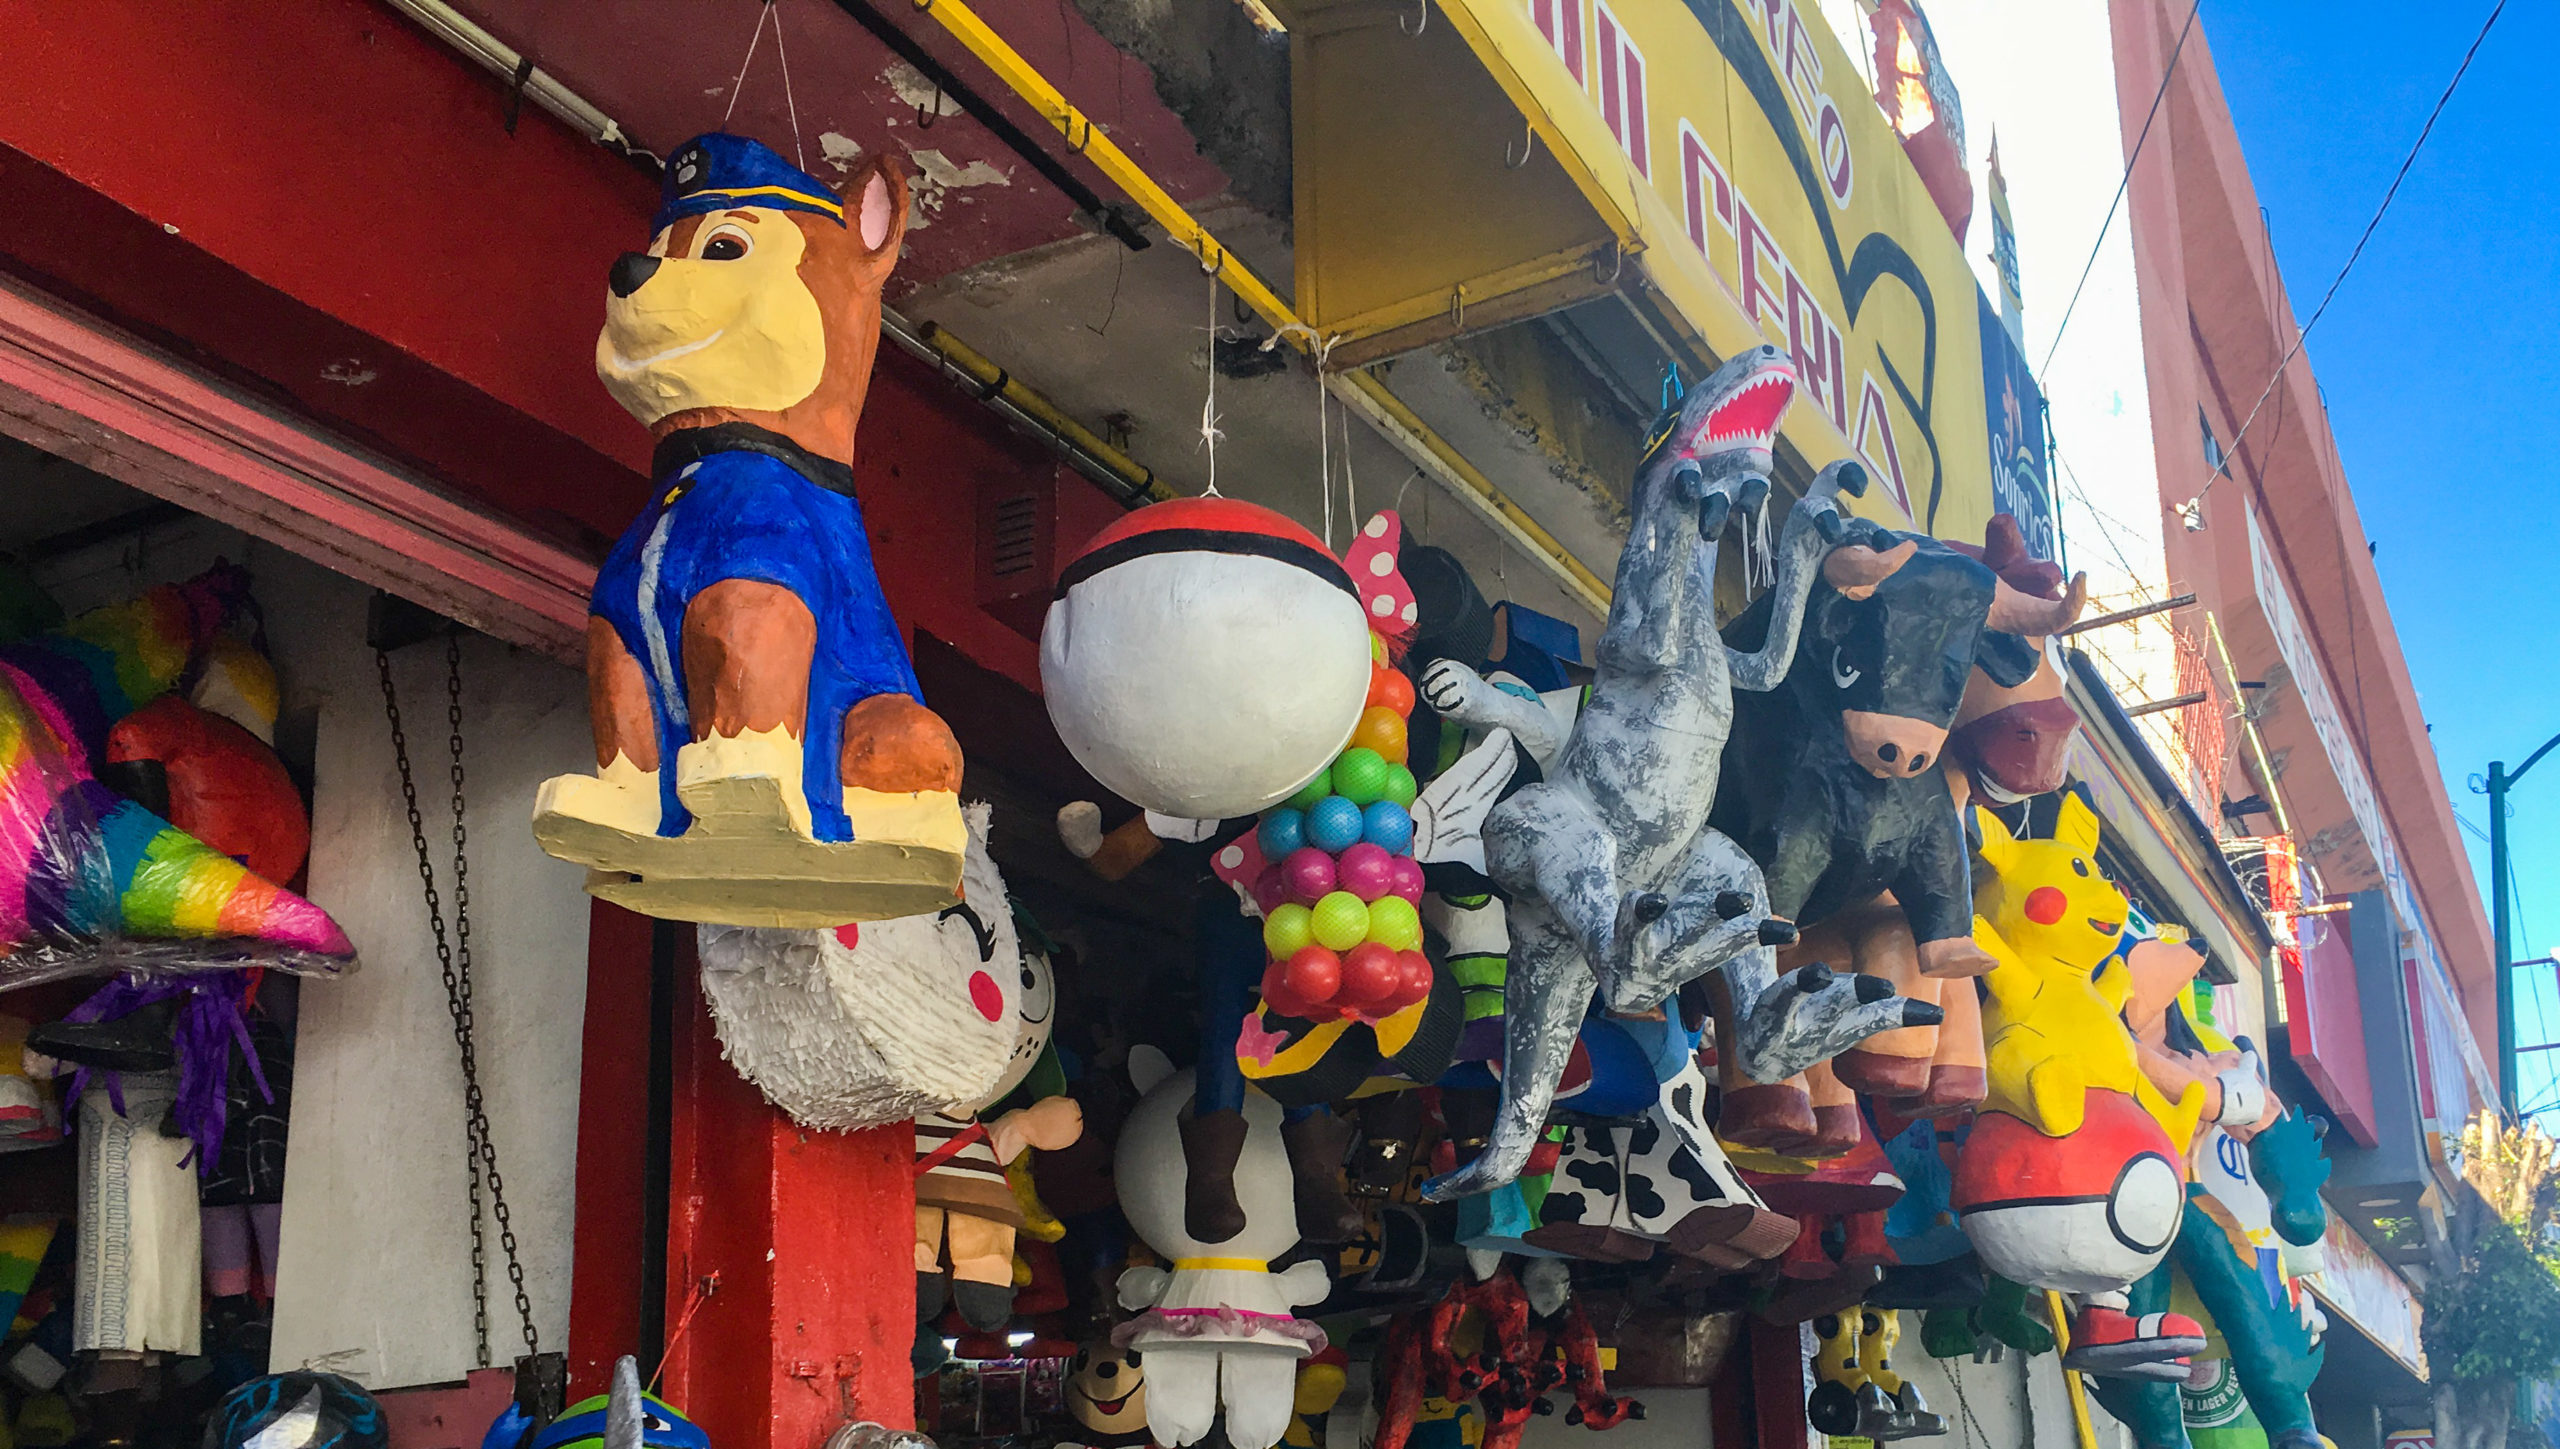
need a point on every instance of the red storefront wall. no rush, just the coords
(290, 193)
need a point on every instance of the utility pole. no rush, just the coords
(2500, 782)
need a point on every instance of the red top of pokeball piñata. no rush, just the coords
(1205, 525)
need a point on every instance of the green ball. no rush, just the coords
(1401, 787)
(1288, 930)
(1360, 776)
(1312, 791)
(1395, 924)
(1340, 921)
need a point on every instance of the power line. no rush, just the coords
(2121, 183)
(2303, 333)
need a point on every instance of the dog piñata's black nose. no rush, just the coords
(629, 271)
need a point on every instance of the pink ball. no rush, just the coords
(1407, 881)
(1307, 874)
(1366, 871)
(1270, 890)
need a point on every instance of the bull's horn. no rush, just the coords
(2014, 611)
(1855, 569)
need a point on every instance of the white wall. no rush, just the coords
(376, 1251)
(376, 1222)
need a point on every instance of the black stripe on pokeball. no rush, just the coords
(1206, 540)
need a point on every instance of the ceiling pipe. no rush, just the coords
(524, 78)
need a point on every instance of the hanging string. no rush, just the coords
(1398, 505)
(703, 1288)
(1759, 558)
(799, 153)
(1209, 434)
(1324, 441)
(1350, 490)
(1319, 348)
(738, 87)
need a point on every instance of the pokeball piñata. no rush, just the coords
(1204, 657)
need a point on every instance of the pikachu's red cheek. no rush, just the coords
(2045, 905)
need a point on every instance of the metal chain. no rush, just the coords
(453, 957)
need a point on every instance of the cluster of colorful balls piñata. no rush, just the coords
(1340, 900)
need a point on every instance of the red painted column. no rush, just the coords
(802, 1239)
(1777, 1384)
(611, 1251)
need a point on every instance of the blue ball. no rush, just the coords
(1387, 826)
(1334, 825)
(1283, 830)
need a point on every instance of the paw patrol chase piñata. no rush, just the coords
(762, 757)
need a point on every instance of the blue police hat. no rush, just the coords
(719, 172)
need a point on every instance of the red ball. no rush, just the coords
(1415, 969)
(1370, 975)
(1270, 889)
(1277, 996)
(1313, 975)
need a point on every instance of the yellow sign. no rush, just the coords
(1763, 195)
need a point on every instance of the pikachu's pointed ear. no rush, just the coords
(1999, 847)
(875, 210)
(2078, 825)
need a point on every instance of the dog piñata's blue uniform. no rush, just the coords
(755, 509)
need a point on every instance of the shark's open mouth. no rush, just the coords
(1750, 417)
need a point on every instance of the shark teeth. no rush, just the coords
(1750, 417)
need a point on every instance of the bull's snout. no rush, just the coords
(2018, 750)
(1892, 746)
(630, 271)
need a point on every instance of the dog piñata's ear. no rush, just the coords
(875, 209)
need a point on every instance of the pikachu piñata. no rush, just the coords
(2050, 1031)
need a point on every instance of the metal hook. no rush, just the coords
(1528, 149)
(1066, 128)
(1458, 307)
(1210, 268)
(925, 115)
(1421, 18)
(1617, 264)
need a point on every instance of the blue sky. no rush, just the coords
(2440, 366)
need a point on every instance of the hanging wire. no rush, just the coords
(738, 86)
(1209, 434)
(799, 153)
(791, 105)
(1324, 449)
(1319, 349)
(1350, 488)
(2302, 334)
(2121, 183)
(1398, 505)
